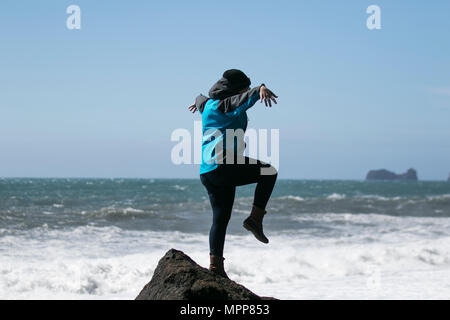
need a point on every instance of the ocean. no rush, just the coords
(329, 239)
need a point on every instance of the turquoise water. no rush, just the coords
(183, 204)
(102, 238)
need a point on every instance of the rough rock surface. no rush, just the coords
(383, 174)
(178, 277)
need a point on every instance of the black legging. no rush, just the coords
(221, 185)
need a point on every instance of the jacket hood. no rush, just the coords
(223, 89)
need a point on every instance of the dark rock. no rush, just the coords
(383, 174)
(178, 277)
(448, 177)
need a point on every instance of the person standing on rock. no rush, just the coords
(224, 167)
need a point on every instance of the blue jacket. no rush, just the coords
(225, 109)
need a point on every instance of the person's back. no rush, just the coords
(225, 110)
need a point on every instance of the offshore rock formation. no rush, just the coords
(383, 174)
(178, 277)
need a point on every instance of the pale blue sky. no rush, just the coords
(103, 101)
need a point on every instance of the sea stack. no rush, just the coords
(448, 180)
(383, 174)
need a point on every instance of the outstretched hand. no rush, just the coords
(192, 108)
(268, 96)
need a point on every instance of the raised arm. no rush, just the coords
(199, 104)
(243, 101)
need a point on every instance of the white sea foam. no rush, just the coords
(407, 260)
(440, 197)
(132, 210)
(336, 196)
(113, 211)
(377, 226)
(377, 197)
(291, 197)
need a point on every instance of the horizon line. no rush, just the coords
(195, 178)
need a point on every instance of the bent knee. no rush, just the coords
(269, 171)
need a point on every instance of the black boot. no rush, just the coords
(254, 224)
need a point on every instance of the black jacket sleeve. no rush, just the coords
(245, 100)
(200, 102)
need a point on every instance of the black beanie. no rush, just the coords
(237, 79)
